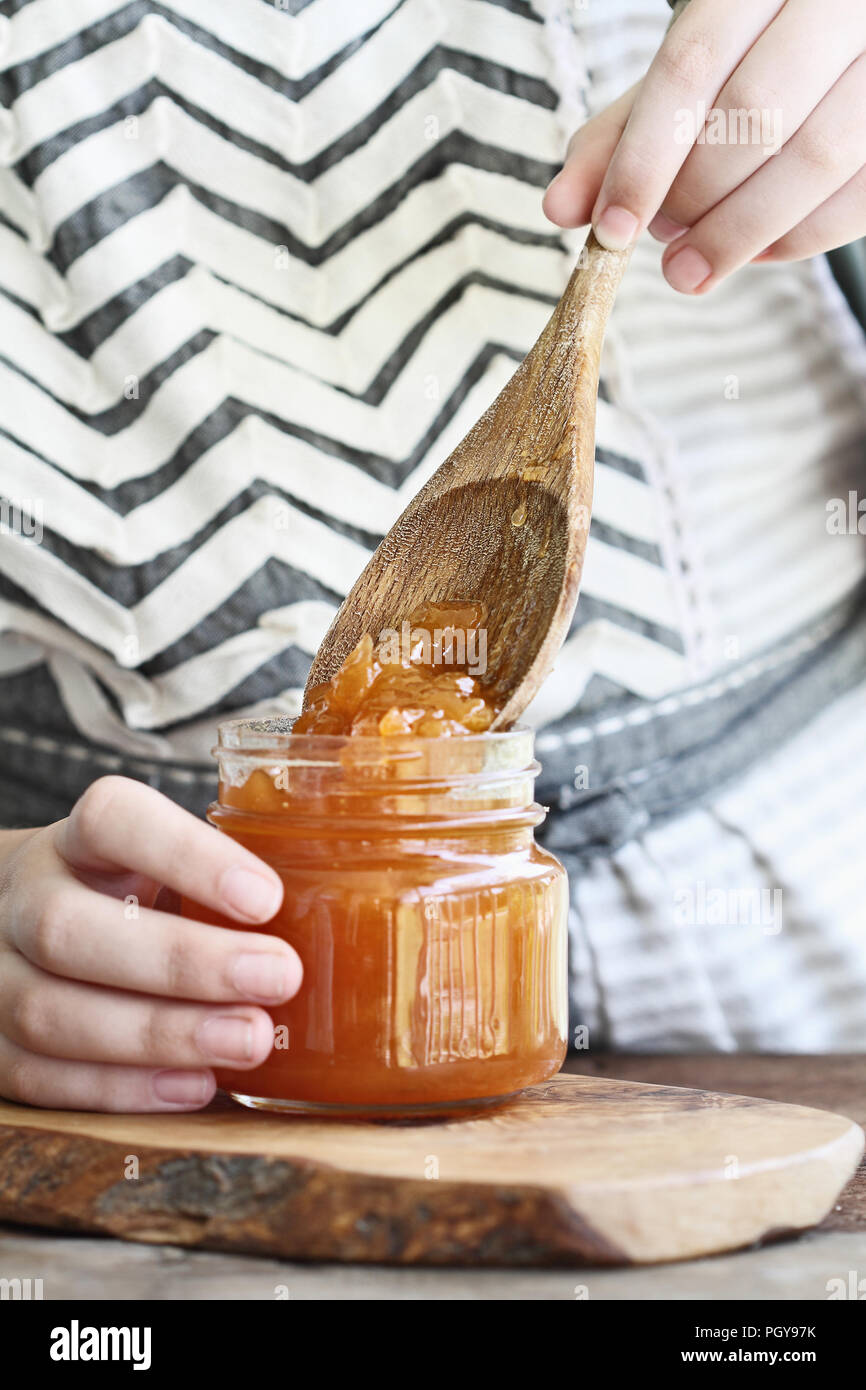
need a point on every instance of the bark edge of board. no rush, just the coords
(656, 1176)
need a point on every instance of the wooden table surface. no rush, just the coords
(83, 1268)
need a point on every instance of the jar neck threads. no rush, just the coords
(403, 785)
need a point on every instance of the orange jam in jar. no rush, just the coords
(431, 927)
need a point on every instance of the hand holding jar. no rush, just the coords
(395, 858)
(108, 1002)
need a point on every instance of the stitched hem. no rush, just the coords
(110, 762)
(792, 649)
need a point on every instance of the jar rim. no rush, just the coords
(274, 733)
(464, 768)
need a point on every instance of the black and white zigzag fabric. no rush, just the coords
(261, 267)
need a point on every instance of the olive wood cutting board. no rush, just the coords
(582, 1170)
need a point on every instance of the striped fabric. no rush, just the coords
(739, 925)
(261, 266)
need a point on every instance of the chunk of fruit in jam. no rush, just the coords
(415, 685)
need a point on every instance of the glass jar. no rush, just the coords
(431, 927)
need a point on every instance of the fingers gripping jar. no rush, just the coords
(431, 927)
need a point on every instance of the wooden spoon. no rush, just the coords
(505, 519)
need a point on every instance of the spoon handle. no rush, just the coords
(559, 378)
(588, 298)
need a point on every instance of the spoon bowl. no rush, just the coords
(505, 520)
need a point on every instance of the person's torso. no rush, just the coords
(261, 267)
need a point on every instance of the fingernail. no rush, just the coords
(266, 978)
(687, 269)
(225, 1038)
(616, 228)
(181, 1087)
(252, 894)
(663, 229)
